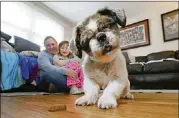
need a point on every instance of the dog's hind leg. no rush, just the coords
(126, 93)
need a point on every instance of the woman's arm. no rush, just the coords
(45, 64)
(61, 63)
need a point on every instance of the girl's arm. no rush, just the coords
(58, 62)
(75, 59)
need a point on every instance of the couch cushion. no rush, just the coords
(162, 67)
(154, 81)
(25, 45)
(160, 55)
(135, 68)
(141, 59)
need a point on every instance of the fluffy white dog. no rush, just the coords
(104, 65)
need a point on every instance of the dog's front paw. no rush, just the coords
(128, 96)
(86, 100)
(107, 102)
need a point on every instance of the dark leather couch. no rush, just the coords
(163, 74)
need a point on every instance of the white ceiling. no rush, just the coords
(77, 11)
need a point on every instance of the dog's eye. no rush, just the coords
(102, 29)
(106, 26)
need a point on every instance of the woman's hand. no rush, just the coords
(61, 62)
(71, 73)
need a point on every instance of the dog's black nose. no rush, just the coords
(101, 37)
(107, 48)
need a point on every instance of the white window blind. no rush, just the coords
(20, 19)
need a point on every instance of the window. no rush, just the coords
(18, 18)
(44, 26)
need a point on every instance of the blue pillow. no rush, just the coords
(22, 44)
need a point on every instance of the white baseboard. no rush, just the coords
(154, 91)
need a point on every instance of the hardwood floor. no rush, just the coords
(145, 105)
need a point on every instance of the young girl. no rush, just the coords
(73, 63)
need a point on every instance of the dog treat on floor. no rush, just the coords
(57, 108)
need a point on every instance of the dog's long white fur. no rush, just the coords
(115, 82)
(116, 87)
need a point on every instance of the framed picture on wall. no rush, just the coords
(170, 25)
(135, 35)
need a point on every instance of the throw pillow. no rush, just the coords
(25, 45)
(141, 59)
(177, 54)
(5, 36)
(160, 55)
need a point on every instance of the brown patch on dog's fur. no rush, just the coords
(104, 22)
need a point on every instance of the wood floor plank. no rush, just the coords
(145, 105)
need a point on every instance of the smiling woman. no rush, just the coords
(51, 44)
(50, 74)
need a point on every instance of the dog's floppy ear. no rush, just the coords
(117, 14)
(75, 46)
